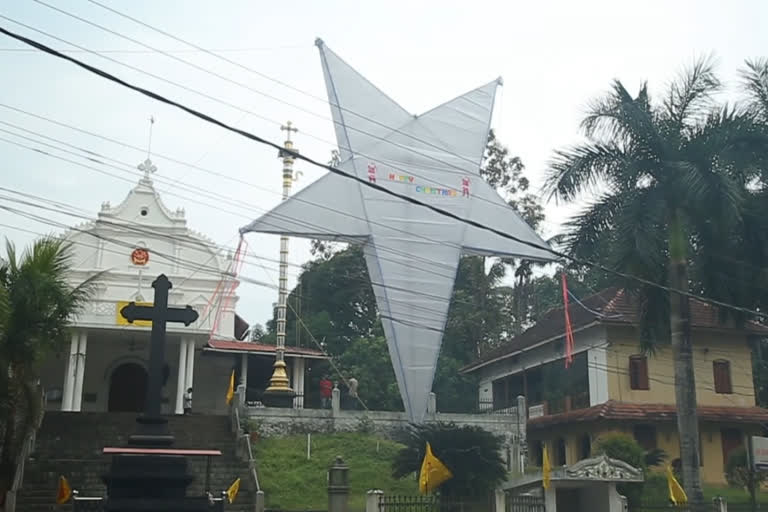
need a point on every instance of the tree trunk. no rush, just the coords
(8, 453)
(685, 381)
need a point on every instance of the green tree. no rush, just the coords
(470, 453)
(36, 309)
(367, 359)
(739, 474)
(667, 189)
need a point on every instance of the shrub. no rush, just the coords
(471, 453)
(623, 447)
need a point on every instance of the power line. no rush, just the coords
(608, 368)
(140, 230)
(384, 248)
(90, 154)
(202, 50)
(367, 183)
(284, 84)
(219, 174)
(274, 98)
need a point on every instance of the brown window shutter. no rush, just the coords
(638, 372)
(722, 375)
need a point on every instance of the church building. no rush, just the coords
(105, 368)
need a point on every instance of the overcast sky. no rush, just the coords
(554, 57)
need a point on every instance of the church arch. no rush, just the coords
(127, 388)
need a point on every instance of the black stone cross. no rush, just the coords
(159, 314)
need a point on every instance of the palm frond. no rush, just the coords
(691, 94)
(585, 232)
(624, 120)
(582, 169)
(754, 81)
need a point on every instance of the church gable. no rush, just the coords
(143, 206)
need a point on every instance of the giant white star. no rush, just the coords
(412, 253)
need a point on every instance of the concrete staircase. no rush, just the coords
(71, 444)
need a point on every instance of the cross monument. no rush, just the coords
(153, 428)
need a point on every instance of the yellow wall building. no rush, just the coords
(613, 386)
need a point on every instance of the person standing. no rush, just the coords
(326, 391)
(353, 399)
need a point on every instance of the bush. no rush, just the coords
(621, 447)
(470, 453)
(738, 474)
(655, 488)
(624, 447)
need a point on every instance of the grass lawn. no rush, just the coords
(292, 482)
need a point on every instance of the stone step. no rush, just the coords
(71, 444)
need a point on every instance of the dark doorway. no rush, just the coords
(127, 388)
(731, 440)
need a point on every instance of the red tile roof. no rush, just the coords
(609, 306)
(623, 411)
(245, 346)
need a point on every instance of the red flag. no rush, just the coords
(568, 328)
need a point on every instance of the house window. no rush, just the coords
(585, 447)
(536, 453)
(560, 460)
(638, 372)
(645, 435)
(722, 372)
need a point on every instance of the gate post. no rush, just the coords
(719, 504)
(500, 500)
(372, 498)
(338, 486)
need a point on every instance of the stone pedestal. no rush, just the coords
(283, 399)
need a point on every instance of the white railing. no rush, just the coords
(536, 411)
(241, 437)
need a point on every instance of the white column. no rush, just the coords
(244, 370)
(189, 374)
(550, 498)
(597, 360)
(77, 397)
(69, 375)
(297, 381)
(181, 380)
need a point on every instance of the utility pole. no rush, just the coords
(279, 392)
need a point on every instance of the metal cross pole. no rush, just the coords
(159, 314)
(279, 392)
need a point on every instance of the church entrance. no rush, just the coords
(127, 388)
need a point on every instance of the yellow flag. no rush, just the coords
(546, 468)
(64, 492)
(231, 389)
(233, 490)
(433, 472)
(676, 492)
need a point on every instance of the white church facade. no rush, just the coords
(105, 369)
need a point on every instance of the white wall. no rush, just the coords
(597, 366)
(192, 262)
(586, 339)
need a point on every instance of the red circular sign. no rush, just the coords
(140, 257)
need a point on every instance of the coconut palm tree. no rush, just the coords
(666, 185)
(37, 305)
